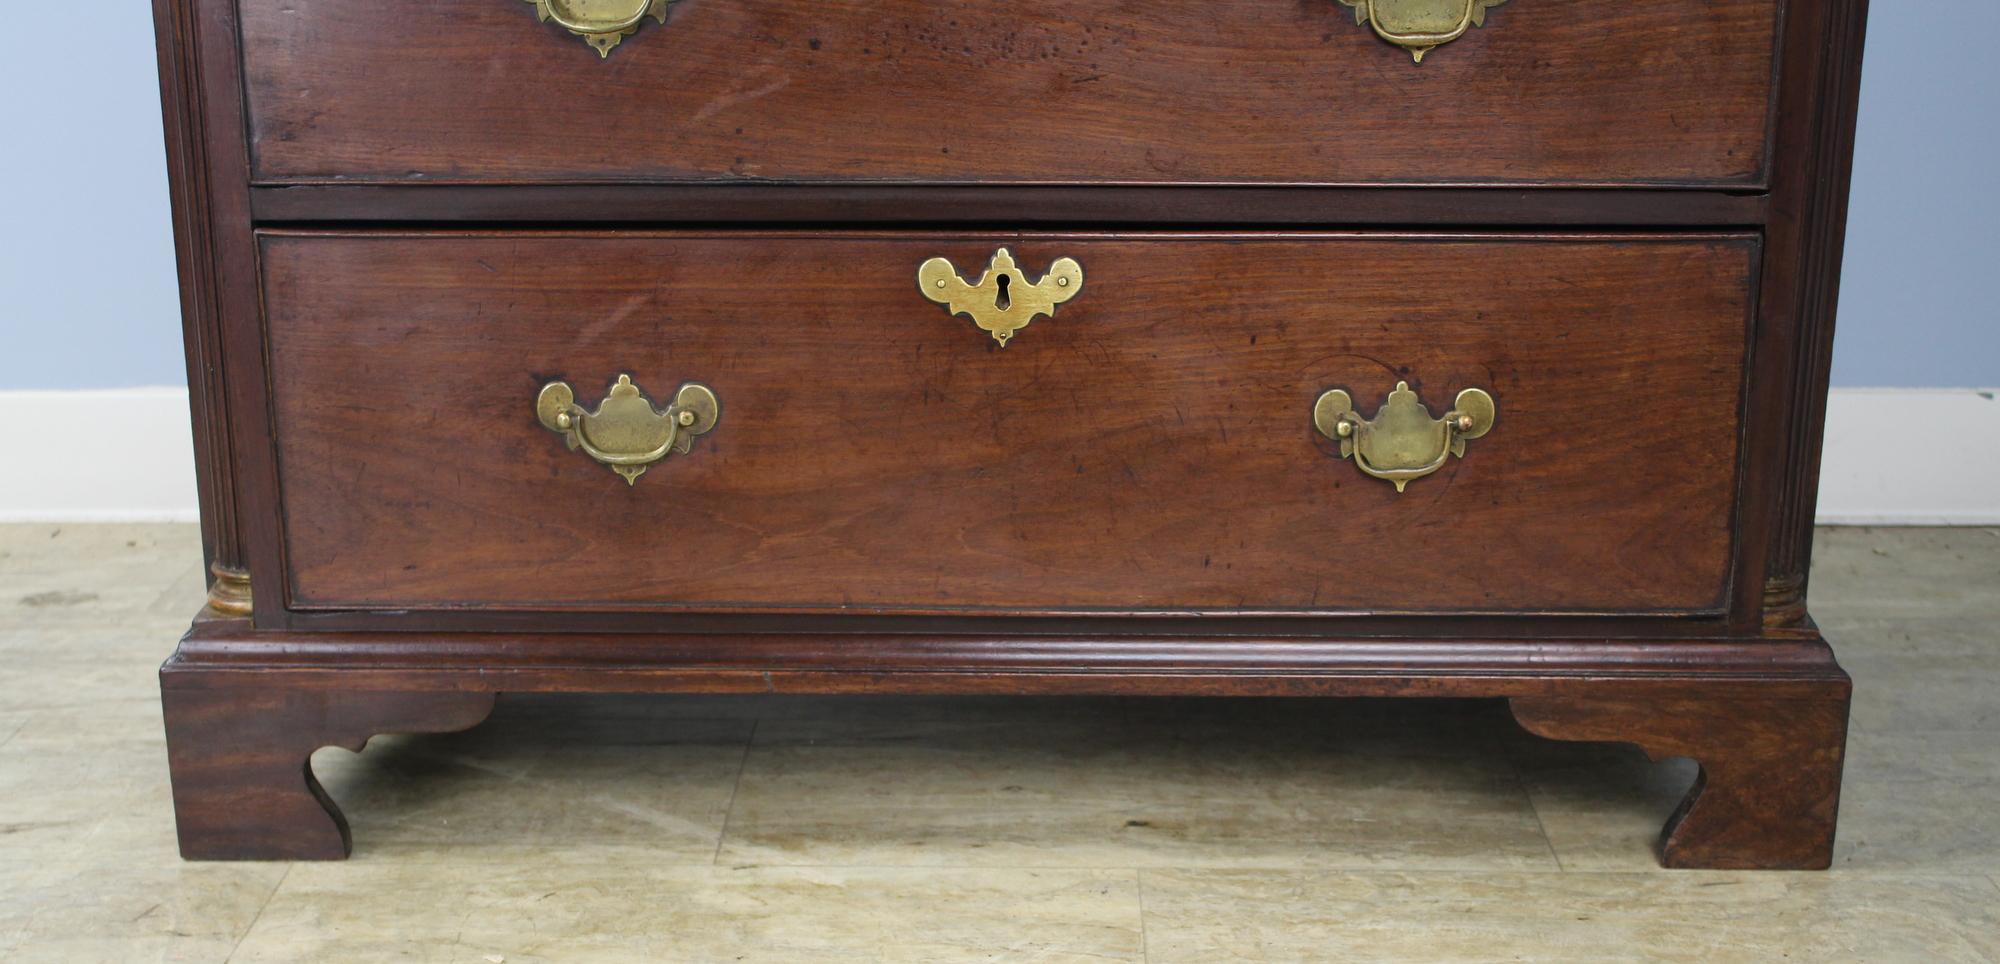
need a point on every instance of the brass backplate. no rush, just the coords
(1419, 26)
(1403, 443)
(601, 23)
(626, 433)
(1003, 300)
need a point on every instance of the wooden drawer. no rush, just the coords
(1149, 448)
(1597, 92)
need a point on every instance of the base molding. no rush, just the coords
(1765, 717)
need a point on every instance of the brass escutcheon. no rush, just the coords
(1403, 442)
(626, 433)
(1003, 300)
(601, 23)
(1419, 26)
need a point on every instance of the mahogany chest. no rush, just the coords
(1412, 348)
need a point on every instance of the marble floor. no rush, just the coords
(793, 830)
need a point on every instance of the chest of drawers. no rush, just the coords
(1413, 348)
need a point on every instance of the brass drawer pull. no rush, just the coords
(626, 433)
(601, 23)
(1419, 26)
(1403, 442)
(1003, 300)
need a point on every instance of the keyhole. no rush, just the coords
(1001, 301)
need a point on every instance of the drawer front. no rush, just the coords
(1144, 91)
(1151, 447)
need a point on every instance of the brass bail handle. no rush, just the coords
(1419, 26)
(626, 433)
(1003, 301)
(601, 23)
(1403, 443)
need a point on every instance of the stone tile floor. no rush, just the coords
(725, 829)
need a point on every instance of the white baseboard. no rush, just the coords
(115, 455)
(1894, 456)
(1912, 457)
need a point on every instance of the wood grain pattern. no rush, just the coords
(1149, 448)
(1135, 91)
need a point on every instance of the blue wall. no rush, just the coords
(87, 282)
(87, 294)
(1917, 298)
